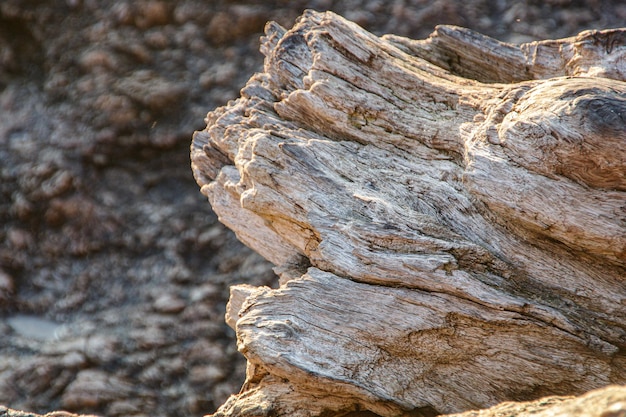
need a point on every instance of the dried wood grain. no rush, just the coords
(450, 233)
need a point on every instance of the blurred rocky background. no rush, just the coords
(114, 272)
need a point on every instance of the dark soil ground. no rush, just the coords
(114, 271)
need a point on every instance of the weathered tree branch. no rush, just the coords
(448, 218)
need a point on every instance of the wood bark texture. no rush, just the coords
(447, 217)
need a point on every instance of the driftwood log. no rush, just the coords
(447, 218)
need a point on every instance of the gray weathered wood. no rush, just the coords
(448, 218)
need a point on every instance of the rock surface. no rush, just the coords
(114, 273)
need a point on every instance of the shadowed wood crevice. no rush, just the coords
(447, 217)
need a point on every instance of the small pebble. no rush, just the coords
(169, 304)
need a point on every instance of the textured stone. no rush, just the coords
(93, 388)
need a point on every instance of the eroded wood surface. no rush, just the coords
(449, 235)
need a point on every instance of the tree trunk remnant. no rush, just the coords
(447, 218)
